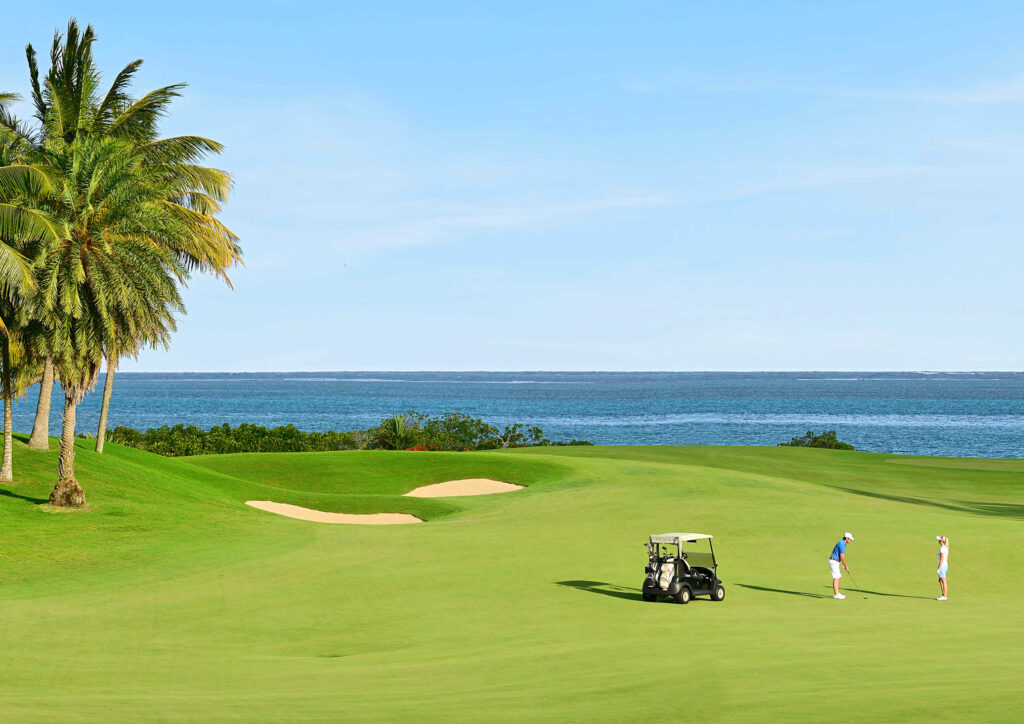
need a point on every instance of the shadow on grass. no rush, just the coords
(998, 510)
(783, 590)
(19, 496)
(890, 595)
(605, 589)
(807, 594)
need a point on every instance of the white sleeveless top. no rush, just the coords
(942, 549)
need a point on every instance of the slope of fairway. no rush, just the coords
(168, 597)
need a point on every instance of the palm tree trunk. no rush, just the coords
(7, 465)
(40, 439)
(67, 493)
(108, 389)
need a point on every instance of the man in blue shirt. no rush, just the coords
(839, 557)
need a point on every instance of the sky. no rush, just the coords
(592, 185)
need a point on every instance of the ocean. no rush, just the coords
(977, 414)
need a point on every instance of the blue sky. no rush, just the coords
(613, 186)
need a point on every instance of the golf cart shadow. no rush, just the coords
(605, 589)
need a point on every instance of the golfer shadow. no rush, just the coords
(783, 590)
(605, 589)
(892, 595)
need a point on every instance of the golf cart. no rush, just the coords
(681, 574)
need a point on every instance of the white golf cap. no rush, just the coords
(849, 535)
(938, 537)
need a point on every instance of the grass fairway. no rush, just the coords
(169, 598)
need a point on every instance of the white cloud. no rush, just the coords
(1008, 90)
(459, 220)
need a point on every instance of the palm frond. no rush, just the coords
(117, 96)
(19, 223)
(191, 177)
(25, 181)
(179, 149)
(37, 93)
(15, 272)
(139, 119)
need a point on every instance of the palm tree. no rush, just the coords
(105, 279)
(20, 228)
(137, 215)
(19, 372)
(68, 104)
(40, 437)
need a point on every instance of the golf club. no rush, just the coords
(855, 583)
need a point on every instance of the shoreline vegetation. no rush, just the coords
(412, 431)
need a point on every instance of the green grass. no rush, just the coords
(168, 598)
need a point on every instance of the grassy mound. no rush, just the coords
(169, 598)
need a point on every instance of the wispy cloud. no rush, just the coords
(1008, 90)
(1001, 91)
(456, 222)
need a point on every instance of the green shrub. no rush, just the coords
(398, 432)
(182, 440)
(411, 430)
(826, 440)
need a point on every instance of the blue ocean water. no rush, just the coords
(969, 414)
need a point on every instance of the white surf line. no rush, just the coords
(457, 488)
(321, 516)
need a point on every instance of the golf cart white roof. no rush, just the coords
(677, 538)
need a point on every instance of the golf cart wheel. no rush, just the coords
(719, 593)
(650, 597)
(684, 595)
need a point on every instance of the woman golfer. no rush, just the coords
(943, 565)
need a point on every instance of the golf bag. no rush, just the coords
(666, 572)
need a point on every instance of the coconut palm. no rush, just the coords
(69, 104)
(40, 437)
(111, 275)
(21, 229)
(105, 275)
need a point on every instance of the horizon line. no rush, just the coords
(574, 371)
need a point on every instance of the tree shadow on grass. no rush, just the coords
(605, 589)
(998, 510)
(19, 496)
(783, 590)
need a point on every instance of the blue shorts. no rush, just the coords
(942, 571)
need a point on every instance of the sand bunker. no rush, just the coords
(451, 489)
(470, 486)
(320, 516)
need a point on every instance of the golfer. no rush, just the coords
(839, 557)
(943, 565)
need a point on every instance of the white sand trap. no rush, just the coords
(320, 516)
(470, 486)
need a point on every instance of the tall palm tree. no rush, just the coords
(69, 104)
(20, 229)
(40, 437)
(106, 278)
(110, 284)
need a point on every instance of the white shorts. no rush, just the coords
(834, 567)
